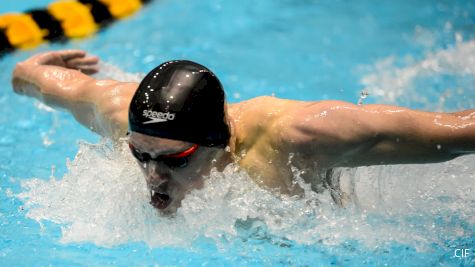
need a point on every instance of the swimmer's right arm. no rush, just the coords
(60, 79)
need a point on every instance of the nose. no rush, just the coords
(158, 179)
(156, 176)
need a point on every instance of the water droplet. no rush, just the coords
(363, 95)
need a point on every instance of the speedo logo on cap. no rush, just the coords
(156, 116)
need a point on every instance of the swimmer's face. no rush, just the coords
(172, 168)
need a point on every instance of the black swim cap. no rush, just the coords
(181, 100)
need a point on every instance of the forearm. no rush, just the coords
(64, 88)
(55, 86)
(424, 137)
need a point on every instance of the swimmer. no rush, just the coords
(179, 127)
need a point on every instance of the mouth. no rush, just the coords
(159, 199)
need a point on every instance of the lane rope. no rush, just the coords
(61, 20)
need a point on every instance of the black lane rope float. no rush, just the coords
(61, 21)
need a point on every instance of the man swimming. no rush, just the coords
(180, 127)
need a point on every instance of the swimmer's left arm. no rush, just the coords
(337, 134)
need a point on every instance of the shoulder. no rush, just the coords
(251, 120)
(310, 113)
(263, 106)
(312, 125)
(273, 115)
(260, 104)
(255, 116)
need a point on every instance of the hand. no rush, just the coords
(46, 72)
(71, 59)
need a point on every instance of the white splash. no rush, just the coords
(416, 82)
(103, 199)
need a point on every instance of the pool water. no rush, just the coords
(68, 198)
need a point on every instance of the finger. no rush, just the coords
(89, 70)
(77, 62)
(55, 57)
(70, 54)
(41, 58)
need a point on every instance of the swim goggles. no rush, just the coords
(176, 160)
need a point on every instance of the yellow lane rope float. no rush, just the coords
(61, 20)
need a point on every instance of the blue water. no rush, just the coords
(308, 50)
